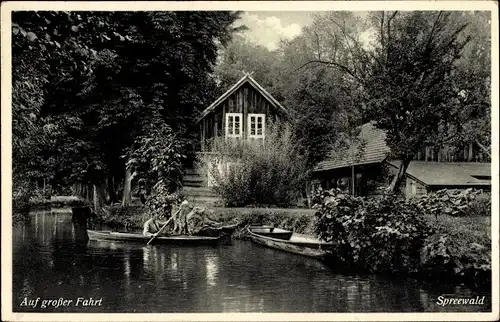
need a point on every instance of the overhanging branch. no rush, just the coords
(331, 63)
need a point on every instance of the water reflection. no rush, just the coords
(212, 269)
(50, 261)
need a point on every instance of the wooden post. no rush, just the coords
(353, 178)
(471, 153)
(203, 135)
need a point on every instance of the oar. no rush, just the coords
(168, 222)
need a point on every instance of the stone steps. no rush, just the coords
(196, 191)
(192, 180)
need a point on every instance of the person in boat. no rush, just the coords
(180, 218)
(153, 225)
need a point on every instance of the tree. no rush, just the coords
(104, 78)
(325, 100)
(406, 73)
(46, 46)
(472, 82)
(241, 55)
(410, 81)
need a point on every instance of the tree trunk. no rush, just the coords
(127, 188)
(111, 189)
(97, 200)
(398, 178)
(470, 156)
(99, 197)
(127, 185)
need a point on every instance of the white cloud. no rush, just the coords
(268, 31)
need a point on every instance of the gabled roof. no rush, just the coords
(245, 79)
(371, 148)
(448, 173)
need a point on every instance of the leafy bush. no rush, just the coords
(130, 217)
(480, 207)
(441, 258)
(158, 161)
(271, 174)
(455, 202)
(159, 155)
(22, 192)
(378, 235)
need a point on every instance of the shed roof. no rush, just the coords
(371, 148)
(448, 173)
(245, 79)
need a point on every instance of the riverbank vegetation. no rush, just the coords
(392, 235)
(271, 173)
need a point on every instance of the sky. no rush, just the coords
(266, 28)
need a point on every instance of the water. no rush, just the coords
(48, 263)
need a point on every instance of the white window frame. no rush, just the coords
(232, 135)
(249, 127)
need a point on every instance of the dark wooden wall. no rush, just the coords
(245, 100)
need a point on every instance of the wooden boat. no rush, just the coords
(298, 244)
(269, 231)
(136, 237)
(210, 231)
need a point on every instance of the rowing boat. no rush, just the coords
(272, 232)
(135, 237)
(298, 244)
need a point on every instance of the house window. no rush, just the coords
(256, 126)
(234, 126)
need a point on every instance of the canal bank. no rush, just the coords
(457, 252)
(133, 277)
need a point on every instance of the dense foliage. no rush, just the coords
(378, 235)
(455, 202)
(86, 86)
(270, 174)
(441, 259)
(394, 235)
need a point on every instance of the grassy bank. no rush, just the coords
(55, 202)
(467, 242)
(132, 217)
(463, 230)
(300, 220)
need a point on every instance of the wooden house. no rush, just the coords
(241, 113)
